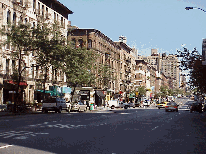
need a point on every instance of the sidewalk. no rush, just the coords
(6, 113)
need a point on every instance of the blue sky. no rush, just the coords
(160, 24)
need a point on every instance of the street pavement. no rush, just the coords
(105, 131)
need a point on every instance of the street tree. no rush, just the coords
(104, 75)
(49, 47)
(21, 39)
(78, 66)
(191, 61)
(141, 91)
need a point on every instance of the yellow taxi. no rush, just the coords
(161, 105)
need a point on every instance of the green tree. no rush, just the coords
(78, 66)
(192, 61)
(142, 91)
(163, 91)
(49, 47)
(105, 75)
(21, 39)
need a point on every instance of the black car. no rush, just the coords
(137, 104)
(196, 107)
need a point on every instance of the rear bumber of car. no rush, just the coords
(160, 106)
(171, 108)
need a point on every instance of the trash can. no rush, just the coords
(91, 106)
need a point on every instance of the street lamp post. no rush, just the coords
(189, 8)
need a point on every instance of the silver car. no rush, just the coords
(79, 106)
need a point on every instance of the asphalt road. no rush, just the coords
(130, 131)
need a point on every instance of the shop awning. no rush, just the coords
(100, 93)
(21, 83)
(131, 95)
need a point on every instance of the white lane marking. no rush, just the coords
(155, 128)
(6, 146)
(125, 113)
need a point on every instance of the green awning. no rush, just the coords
(131, 95)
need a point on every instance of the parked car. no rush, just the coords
(146, 103)
(204, 108)
(130, 104)
(78, 106)
(172, 106)
(161, 105)
(55, 104)
(137, 104)
(189, 103)
(196, 107)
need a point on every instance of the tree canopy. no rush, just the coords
(192, 62)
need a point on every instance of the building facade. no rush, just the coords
(33, 12)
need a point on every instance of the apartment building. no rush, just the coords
(166, 64)
(33, 12)
(170, 67)
(127, 67)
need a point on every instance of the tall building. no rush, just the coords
(204, 51)
(170, 67)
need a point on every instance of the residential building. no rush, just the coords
(170, 67)
(33, 12)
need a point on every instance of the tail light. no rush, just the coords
(166, 106)
(175, 107)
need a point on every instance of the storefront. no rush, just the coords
(9, 91)
(99, 98)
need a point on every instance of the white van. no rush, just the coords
(55, 104)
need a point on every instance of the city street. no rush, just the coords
(129, 131)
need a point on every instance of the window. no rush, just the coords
(38, 8)
(14, 18)
(47, 15)
(89, 43)
(8, 17)
(42, 10)
(34, 4)
(13, 66)
(7, 66)
(80, 43)
(54, 16)
(61, 21)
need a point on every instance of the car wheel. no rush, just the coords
(158, 107)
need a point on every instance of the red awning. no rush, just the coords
(21, 83)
